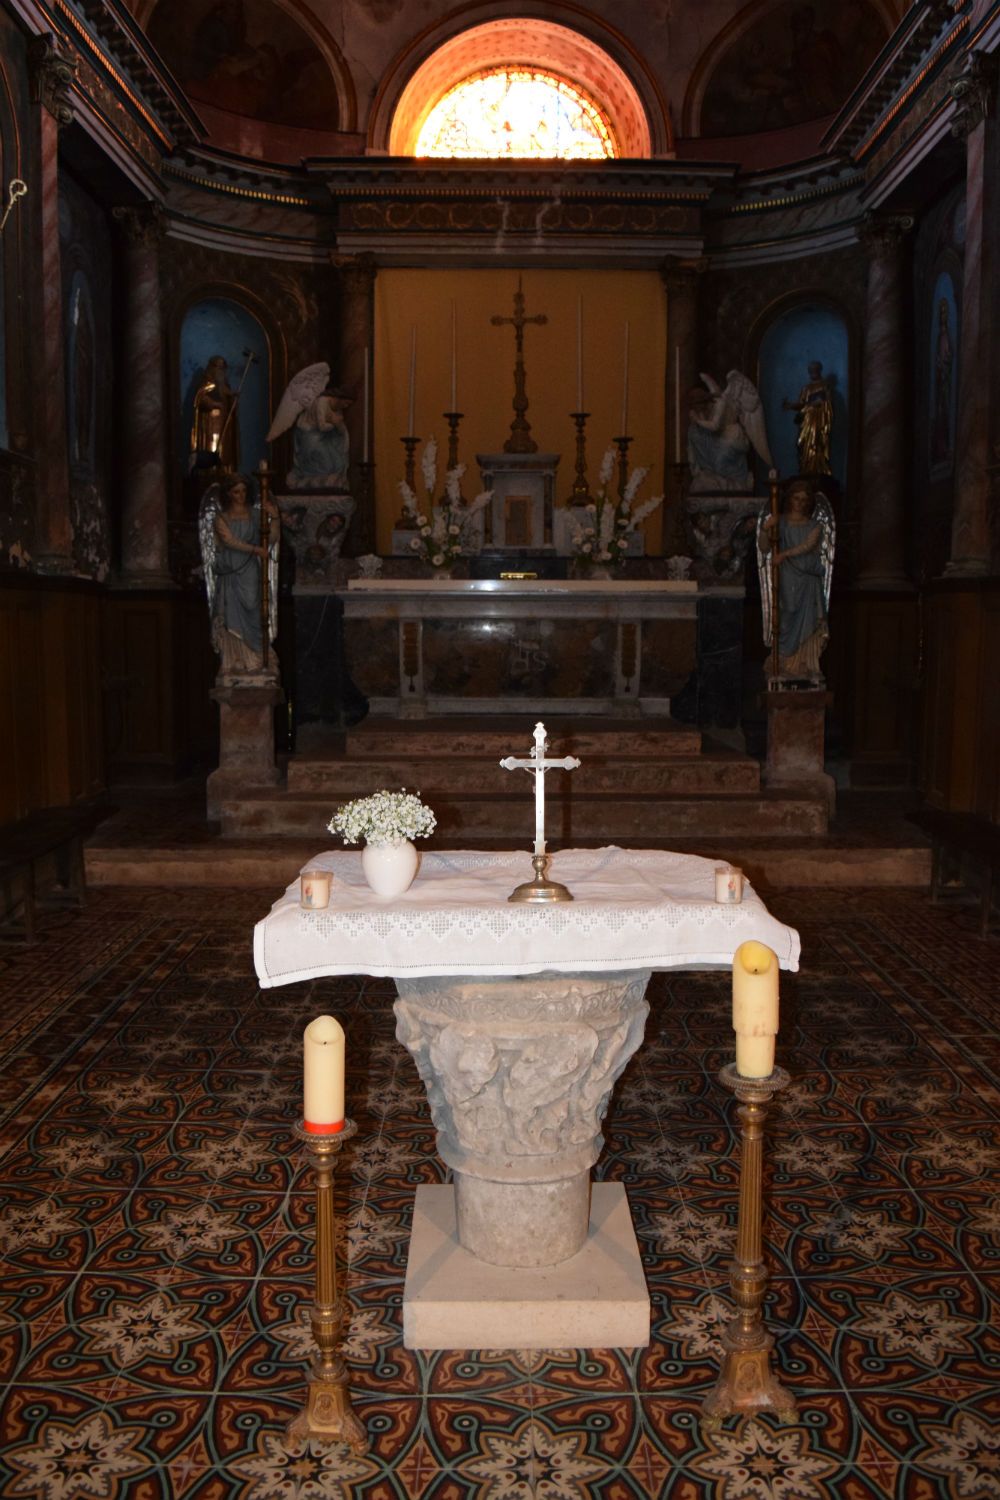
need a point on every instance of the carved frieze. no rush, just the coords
(514, 217)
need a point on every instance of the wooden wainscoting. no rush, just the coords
(51, 736)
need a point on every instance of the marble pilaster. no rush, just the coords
(144, 494)
(882, 443)
(973, 92)
(52, 76)
(356, 275)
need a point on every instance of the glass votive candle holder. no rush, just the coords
(728, 885)
(314, 889)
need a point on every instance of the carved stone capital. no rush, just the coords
(882, 234)
(973, 88)
(357, 271)
(52, 74)
(681, 277)
(143, 224)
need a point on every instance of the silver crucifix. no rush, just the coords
(538, 763)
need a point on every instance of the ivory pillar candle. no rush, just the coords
(364, 417)
(678, 456)
(579, 352)
(413, 379)
(323, 1076)
(755, 1008)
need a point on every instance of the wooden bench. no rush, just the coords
(963, 834)
(55, 831)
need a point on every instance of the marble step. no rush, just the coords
(394, 737)
(722, 775)
(463, 818)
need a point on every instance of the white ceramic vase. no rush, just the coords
(390, 868)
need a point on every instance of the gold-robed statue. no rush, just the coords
(814, 416)
(215, 432)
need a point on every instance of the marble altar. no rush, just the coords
(438, 646)
(520, 1020)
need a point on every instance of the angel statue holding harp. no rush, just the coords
(797, 544)
(238, 534)
(724, 423)
(321, 448)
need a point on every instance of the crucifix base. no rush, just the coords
(539, 889)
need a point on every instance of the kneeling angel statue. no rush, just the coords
(795, 562)
(321, 445)
(233, 554)
(724, 423)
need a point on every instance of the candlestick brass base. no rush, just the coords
(328, 1416)
(746, 1382)
(540, 890)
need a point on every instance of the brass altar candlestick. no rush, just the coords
(453, 418)
(328, 1416)
(746, 1383)
(622, 444)
(580, 494)
(540, 889)
(407, 520)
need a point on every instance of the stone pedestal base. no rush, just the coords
(246, 741)
(595, 1300)
(519, 1074)
(795, 743)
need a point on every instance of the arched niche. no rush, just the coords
(781, 63)
(266, 60)
(789, 339)
(219, 324)
(578, 47)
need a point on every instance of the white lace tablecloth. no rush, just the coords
(633, 909)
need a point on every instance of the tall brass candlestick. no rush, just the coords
(580, 494)
(328, 1416)
(453, 418)
(407, 521)
(622, 444)
(746, 1383)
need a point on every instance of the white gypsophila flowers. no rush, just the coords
(428, 464)
(383, 818)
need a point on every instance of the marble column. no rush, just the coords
(356, 275)
(144, 419)
(52, 76)
(973, 92)
(883, 423)
(682, 282)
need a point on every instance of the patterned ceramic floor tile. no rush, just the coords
(157, 1213)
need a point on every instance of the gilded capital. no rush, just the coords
(359, 271)
(681, 277)
(973, 88)
(882, 234)
(53, 72)
(143, 224)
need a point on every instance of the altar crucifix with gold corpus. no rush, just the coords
(520, 440)
(540, 889)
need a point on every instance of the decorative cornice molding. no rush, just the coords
(973, 89)
(53, 73)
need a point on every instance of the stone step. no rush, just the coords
(512, 736)
(466, 817)
(716, 774)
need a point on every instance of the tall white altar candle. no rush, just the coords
(364, 417)
(454, 358)
(413, 379)
(624, 431)
(323, 1076)
(579, 352)
(678, 456)
(539, 755)
(755, 1008)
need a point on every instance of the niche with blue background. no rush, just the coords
(218, 325)
(804, 333)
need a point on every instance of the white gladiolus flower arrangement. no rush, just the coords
(383, 818)
(441, 527)
(603, 537)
